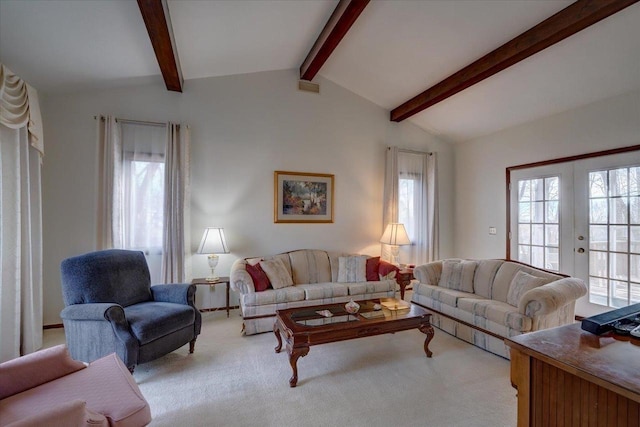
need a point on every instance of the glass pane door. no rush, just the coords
(614, 236)
(539, 222)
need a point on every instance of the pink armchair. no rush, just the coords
(49, 388)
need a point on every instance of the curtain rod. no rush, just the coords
(139, 122)
(402, 150)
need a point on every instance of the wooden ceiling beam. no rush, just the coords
(574, 18)
(155, 14)
(341, 20)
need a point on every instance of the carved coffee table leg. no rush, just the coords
(294, 355)
(276, 331)
(427, 329)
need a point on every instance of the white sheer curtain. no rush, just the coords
(411, 199)
(21, 149)
(144, 193)
(110, 195)
(176, 204)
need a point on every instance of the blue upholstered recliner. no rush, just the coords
(110, 306)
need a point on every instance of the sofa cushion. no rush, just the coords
(372, 269)
(152, 320)
(259, 277)
(277, 272)
(496, 311)
(386, 270)
(335, 264)
(371, 287)
(505, 274)
(458, 275)
(521, 283)
(274, 296)
(485, 273)
(321, 291)
(443, 295)
(310, 266)
(352, 269)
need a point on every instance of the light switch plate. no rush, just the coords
(493, 231)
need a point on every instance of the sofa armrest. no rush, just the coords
(94, 311)
(551, 297)
(429, 273)
(72, 413)
(176, 293)
(240, 279)
(113, 313)
(32, 370)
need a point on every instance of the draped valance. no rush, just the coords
(19, 107)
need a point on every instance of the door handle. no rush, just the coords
(580, 250)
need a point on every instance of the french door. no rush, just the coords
(582, 218)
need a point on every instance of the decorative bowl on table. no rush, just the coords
(352, 307)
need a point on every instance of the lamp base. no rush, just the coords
(213, 263)
(394, 251)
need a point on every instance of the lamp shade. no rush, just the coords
(213, 242)
(395, 235)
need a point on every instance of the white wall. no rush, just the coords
(243, 129)
(480, 165)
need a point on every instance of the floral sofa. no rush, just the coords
(303, 278)
(485, 301)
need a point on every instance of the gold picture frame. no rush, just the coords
(302, 197)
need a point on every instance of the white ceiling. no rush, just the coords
(395, 50)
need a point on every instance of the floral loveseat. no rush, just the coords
(485, 301)
(303, 278)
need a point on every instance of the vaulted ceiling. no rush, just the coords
(386, 51)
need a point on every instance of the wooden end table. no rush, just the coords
(202, 281)
(303, 327)
(404, 278)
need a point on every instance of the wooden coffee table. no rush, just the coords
(303, 327)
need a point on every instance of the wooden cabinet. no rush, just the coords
(569, 377)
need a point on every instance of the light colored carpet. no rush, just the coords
(385, 380)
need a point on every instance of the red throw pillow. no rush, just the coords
(260, 279)
(386, 267)
(372, 269)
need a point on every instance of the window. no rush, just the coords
(614, 230)
(539, 222)
(143, 192)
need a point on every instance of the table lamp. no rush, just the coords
(395, 236)
(212, 243)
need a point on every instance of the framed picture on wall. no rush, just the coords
(303, 197)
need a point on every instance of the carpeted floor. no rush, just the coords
(232, 380)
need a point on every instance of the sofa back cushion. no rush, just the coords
(335, 263)
(310, 266)
(352, 269)
(457, 274)
(507, 272)
(484, 276)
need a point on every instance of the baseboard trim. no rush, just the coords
(204, 310)
(264, 316)
(53, 326)
(477, 328)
